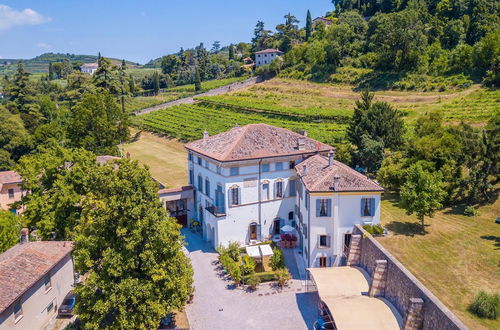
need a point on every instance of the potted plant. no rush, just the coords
(283, 276)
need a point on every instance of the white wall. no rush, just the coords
(234, 226)
(345, 213)
(263, 59)
(36, 300)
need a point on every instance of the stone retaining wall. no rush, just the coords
(401, 286)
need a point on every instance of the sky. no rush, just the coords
(137, 30)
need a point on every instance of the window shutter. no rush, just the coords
(259, 236)
(318, 207)
(230, 197)
(372, 206)
(363, 201)
(328, 207)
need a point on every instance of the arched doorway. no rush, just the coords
(252, 231)
(276, 226)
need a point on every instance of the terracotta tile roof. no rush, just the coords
(90, 65)
(24, 264)
(255, 141)
(269, 50)
(175, 190)
(9, 177)
(320, 176)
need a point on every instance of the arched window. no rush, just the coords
(200, 183)
(290, 215)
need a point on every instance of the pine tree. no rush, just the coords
(309, 26)
(197, 80)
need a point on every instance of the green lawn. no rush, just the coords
(457, 257)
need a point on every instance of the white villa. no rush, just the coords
(266, 56)
(89, 68)
(252, 180)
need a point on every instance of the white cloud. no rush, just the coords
(10, 17)
(43, 45)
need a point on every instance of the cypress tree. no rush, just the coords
(231, 52)
(51, 71)
(156, 82)
(197, 80)
(309, 25)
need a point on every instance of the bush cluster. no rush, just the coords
(374, 229)
(486, 305)
(277, 260)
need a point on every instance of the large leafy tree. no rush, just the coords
(56, 179)
(14, 140)
(97, 124)
(9, 230)
(131, 251)
(423, 193)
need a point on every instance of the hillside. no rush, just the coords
(323, 110)
(40, 64)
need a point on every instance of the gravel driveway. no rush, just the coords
(217, 305)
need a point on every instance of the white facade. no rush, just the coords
(265, 58)
(40, 302)
(260, 207)
(343, 211)
(89, 68)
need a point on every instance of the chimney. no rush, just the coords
(336, 180)
(301, 143)
(331, 156)
(24, 235)
(205, 134)
(304, 169)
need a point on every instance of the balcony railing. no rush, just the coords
(216, 211)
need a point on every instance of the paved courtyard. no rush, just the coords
(218, 305)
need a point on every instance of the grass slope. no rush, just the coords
(457, 257)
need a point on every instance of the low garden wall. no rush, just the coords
(401, 285)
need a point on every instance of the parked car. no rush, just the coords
(321, 324)
(168, 322)
(497, 220)
(67, 306)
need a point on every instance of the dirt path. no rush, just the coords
(212, 92)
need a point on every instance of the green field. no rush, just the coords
(323, 110)
(207, 85)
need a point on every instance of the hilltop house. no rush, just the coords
(266, 56)
(251, 181)
(325, 21)
(34, 279)
(89, 68)
(10, 190)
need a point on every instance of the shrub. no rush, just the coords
(283, 276)
(235, 273)
(248, 266)
(471, 211)
(253, 281)
(233, 250)
(368, 228)
(263, 277)
(277, 260)
(374, 229)
(486, 305)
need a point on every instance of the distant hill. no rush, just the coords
(40, 64)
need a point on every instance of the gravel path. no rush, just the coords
(218, 305)
(212, 92)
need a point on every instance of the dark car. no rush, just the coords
(67, 306)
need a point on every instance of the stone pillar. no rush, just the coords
(377, 288)
(354, 251)
(415, 315)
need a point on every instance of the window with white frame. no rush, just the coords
(291, 164)
(323, 241)
(265, 191)
(292, 187)
(207, 187)
(234, 192)
(278, 166)
(367, 207)
(219, 170)
(279, 189)
(191, 177)
(200, 161)
(265, 168)
(11, 193)
(200, 183)
(323, 207)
